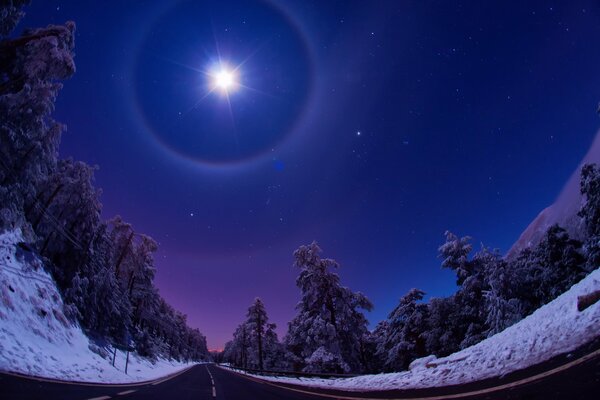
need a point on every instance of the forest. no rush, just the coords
(330, 333)
(103, 268)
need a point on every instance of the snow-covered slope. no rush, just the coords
(37, 339)
(556, 328)
(563, 211)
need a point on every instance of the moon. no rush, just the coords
(239, 84)
(224, 80)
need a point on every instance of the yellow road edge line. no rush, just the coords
(126, 392)
(441, 397)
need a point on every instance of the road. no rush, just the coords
(210, 382)
(196, 383)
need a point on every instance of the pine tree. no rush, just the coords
(469, 313)
(503, 307)
(276, 356)
(558, 264)
(455, 254)
(68, 220)
(257, 322)
(11, 13)
(31, 66)
(374, 343)
(255, 343)
(105, 271)
(590, 214)
(328, 324)
(404, 340)
(444, 335)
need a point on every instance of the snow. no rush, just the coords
(563, 211)
(37, 339)
(554, 329)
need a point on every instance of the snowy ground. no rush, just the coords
(553, 329)
(37, 339)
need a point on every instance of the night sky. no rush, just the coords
(370, 127)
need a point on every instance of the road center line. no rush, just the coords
(212, 381)
(125, 392)
(100, 398)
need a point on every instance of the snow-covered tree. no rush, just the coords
(257, 323)
(66, 222)
(137, 276)
(590, 189)
(455, 254)
(373, 345)
(30, 68)
(403, 339)
(121, 234)
(503, 307)
(443, 335)
(468, 313)
(11, 11)
(322, 360)
(329, 319)
(105, 271)
(590, 214)
(558, 264)
(276, 356)
(100, 303)
(255, 343)
(237, 350)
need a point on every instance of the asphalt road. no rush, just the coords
(209, 382)
(196, 383)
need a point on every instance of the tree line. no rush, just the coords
(330, 332)
(104, 269)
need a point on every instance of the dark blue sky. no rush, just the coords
(471, 117)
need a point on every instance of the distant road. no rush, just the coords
(209, 382)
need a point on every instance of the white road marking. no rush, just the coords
(212, 381)
(126, 392)
(100, 398)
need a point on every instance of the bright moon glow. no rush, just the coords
(224, 80)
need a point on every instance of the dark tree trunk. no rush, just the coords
(122, 255)
(59, 217)
(259, 332)
(19, 165)
(131, 282)
(46, 205)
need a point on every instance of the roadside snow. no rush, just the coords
(37, 339)
(554, 329)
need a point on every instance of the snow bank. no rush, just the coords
(37, 339)
(554, 329)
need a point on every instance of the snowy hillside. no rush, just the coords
(555, 328)
(37, 339)
(563, 211)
